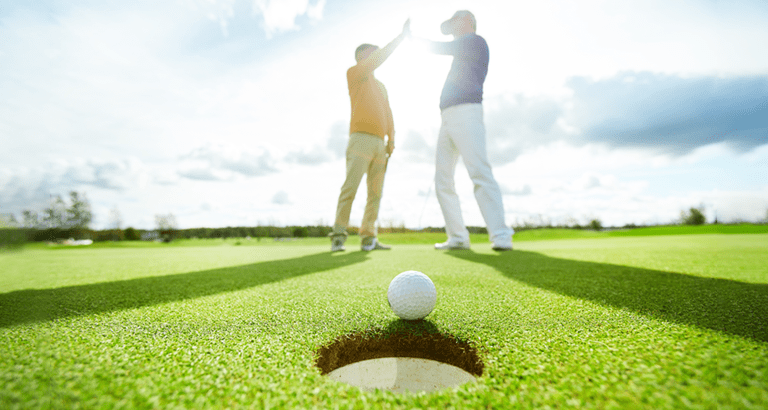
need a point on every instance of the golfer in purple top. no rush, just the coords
(462, 133)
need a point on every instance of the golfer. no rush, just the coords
(367, 150)
(462, 133)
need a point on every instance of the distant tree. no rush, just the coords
(8, 221)
(572, 222)
(53, 216)
(166, 226)
(132, 234)
(300, 232)
(114, 233)
(79, 213)
(115, 219)
(595, 225)
(58, 215)
(695, 216)
(30, 219)
(261, 232)
(165, 222)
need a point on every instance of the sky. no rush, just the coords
(236, 113)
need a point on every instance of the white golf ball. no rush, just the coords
(412, 295)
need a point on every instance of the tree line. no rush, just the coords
(133, 234)
(76, 215)
(65, 219)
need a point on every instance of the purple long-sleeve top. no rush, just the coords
(468, 70)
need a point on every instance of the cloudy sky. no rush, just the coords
(235, 112)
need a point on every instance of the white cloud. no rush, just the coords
(202, 174)
(312, 156)
(281, 198)
(735, 206)
(516, 124)
(116, 174)
(148, 105)
(521, 191)
(671, 113)
(645, 110)
(277, 16)
(32, 188)
(281, 15)
(219, 162)
(338, 139)
(416, 148)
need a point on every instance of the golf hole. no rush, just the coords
(400, 362)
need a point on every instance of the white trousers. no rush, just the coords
(462, 133)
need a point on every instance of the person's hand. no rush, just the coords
(390, 147)
(407, 28)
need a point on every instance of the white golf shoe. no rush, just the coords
(505, 245)
(452, 245)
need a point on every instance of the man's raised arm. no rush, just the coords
(449, 48)
(378, 57)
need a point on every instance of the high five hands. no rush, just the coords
(407, 29)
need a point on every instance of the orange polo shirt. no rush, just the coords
(371, 113)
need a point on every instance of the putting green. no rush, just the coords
(662, 321)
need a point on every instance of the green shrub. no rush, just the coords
(693, 217)
(300, 232)
(11, 238)
(132, 234)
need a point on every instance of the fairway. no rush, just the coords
(600, 321)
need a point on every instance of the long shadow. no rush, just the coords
(36, 305)
(723, 305)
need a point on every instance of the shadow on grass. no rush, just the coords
(723, 305)
(38, 305)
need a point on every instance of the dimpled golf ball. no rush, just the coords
(412, 295)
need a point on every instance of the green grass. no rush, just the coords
(596, 321)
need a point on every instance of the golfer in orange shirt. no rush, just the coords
(371, 141)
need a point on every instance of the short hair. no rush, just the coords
(361, 48)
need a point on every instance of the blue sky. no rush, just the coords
(236, 112)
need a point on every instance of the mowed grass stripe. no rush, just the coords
(557, 325)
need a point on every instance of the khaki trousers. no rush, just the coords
(366, 154)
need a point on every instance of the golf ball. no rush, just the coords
(412, 295)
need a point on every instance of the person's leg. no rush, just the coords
(357, 163)
(469, 137)
(446, 158)
(375, 181)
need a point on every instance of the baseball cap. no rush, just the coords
(445, 26)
